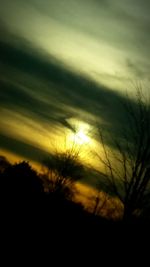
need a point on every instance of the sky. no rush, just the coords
(66, 64)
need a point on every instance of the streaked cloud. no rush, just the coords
(62, 60)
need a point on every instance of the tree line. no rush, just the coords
(126, 169)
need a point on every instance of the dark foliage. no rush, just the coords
(62, 170)
(20, 179)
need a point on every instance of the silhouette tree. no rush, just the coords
(4, 164)
(63, 169)
(21, 180)
(127, 168)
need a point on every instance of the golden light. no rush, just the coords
(81, 137)
(81, 134)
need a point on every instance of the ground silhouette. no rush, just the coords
(26, 204)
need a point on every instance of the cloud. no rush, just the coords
(138, 69)
(59, 87)
(22, 149)
(47, 61)
(42, 88)
(88, 35)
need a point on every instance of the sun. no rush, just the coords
(81, 134)
(81, 137)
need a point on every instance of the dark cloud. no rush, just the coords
(22, 148)
(64, 88)
(45, 90)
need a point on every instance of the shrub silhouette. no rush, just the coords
(21, 179)
(63, 170)
(4, 163)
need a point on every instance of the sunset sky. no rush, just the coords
(66, 64)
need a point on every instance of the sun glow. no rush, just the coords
(81, 135)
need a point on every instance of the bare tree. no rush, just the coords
(127, 167)
(63, 169)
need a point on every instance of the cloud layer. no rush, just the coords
(67, 59)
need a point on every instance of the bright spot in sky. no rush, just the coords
(81, 135)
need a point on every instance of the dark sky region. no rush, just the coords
(65, 64)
